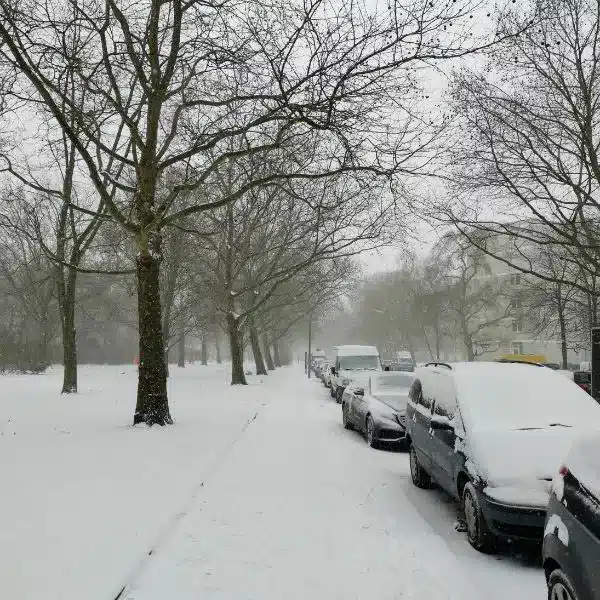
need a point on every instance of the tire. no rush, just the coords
(338, 395)
(420, 477)
(560, 587)
(478, 534)
(345, 419)
(370, 432)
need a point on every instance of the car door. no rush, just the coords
(359, 404)
(443, 441)
(422, 402)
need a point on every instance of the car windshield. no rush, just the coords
(355, 363)
(391, 382)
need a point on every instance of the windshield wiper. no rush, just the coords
(538, 428)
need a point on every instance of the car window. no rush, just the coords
(415, 392)
(445, 397)
(422, 394)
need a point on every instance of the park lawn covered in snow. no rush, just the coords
(255, 492)
(85, 495)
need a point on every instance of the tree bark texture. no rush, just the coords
(66, 306)
(152, 403)
(237, 351)
(256, 351)
(268, 357)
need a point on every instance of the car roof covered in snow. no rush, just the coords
(353, 350)
(496, 395)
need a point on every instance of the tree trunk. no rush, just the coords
(204, 350)
(66, 307)
(268, 357)
(218, 349)
(276, 357)
(563, 335)
(258, 357)
(152, 402)
(181, 348)
(237, 351)
(69, 342)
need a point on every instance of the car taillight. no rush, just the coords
(585, 387)
(563, 471)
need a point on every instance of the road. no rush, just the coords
(300, 508)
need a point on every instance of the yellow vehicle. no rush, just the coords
(532, 358)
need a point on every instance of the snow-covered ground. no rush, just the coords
(255, 492)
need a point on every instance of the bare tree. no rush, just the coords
(181, 79)
(528, 164)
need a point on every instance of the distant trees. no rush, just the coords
(450, 295)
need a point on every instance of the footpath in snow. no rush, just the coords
(255, 493)
(302, 509)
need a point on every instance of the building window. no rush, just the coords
(515, 279)
(517, 325)
(516, 304)
(517, 348)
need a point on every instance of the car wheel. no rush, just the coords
(478, 534)
(370, 432)
(559, 587)
(420, 477)
(345, 419)
(338, 395)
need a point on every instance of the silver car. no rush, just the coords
(378, 410)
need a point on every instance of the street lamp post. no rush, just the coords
(309, 342)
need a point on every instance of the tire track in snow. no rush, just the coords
(171, 524)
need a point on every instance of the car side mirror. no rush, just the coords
(441, 424)
(359, 392)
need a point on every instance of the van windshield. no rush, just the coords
(355, 363)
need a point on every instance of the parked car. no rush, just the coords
(351, 364)
(571, 549)
(492, 435)
(378, 409)
(584, 380)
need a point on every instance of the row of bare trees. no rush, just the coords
(254, 139)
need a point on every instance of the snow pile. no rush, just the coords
(507, 396)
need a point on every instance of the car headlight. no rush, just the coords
(345, 381)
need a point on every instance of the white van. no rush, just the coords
(352, 364)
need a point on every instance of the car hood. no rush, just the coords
(515, 457)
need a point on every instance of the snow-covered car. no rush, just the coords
(493, 435)
(379, 408)
(352, 364)
(571, 549)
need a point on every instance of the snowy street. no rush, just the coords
(255, 492)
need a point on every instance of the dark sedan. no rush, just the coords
(378, 409)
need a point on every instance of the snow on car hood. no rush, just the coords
(512, 458)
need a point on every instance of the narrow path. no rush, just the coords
(303, 509)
